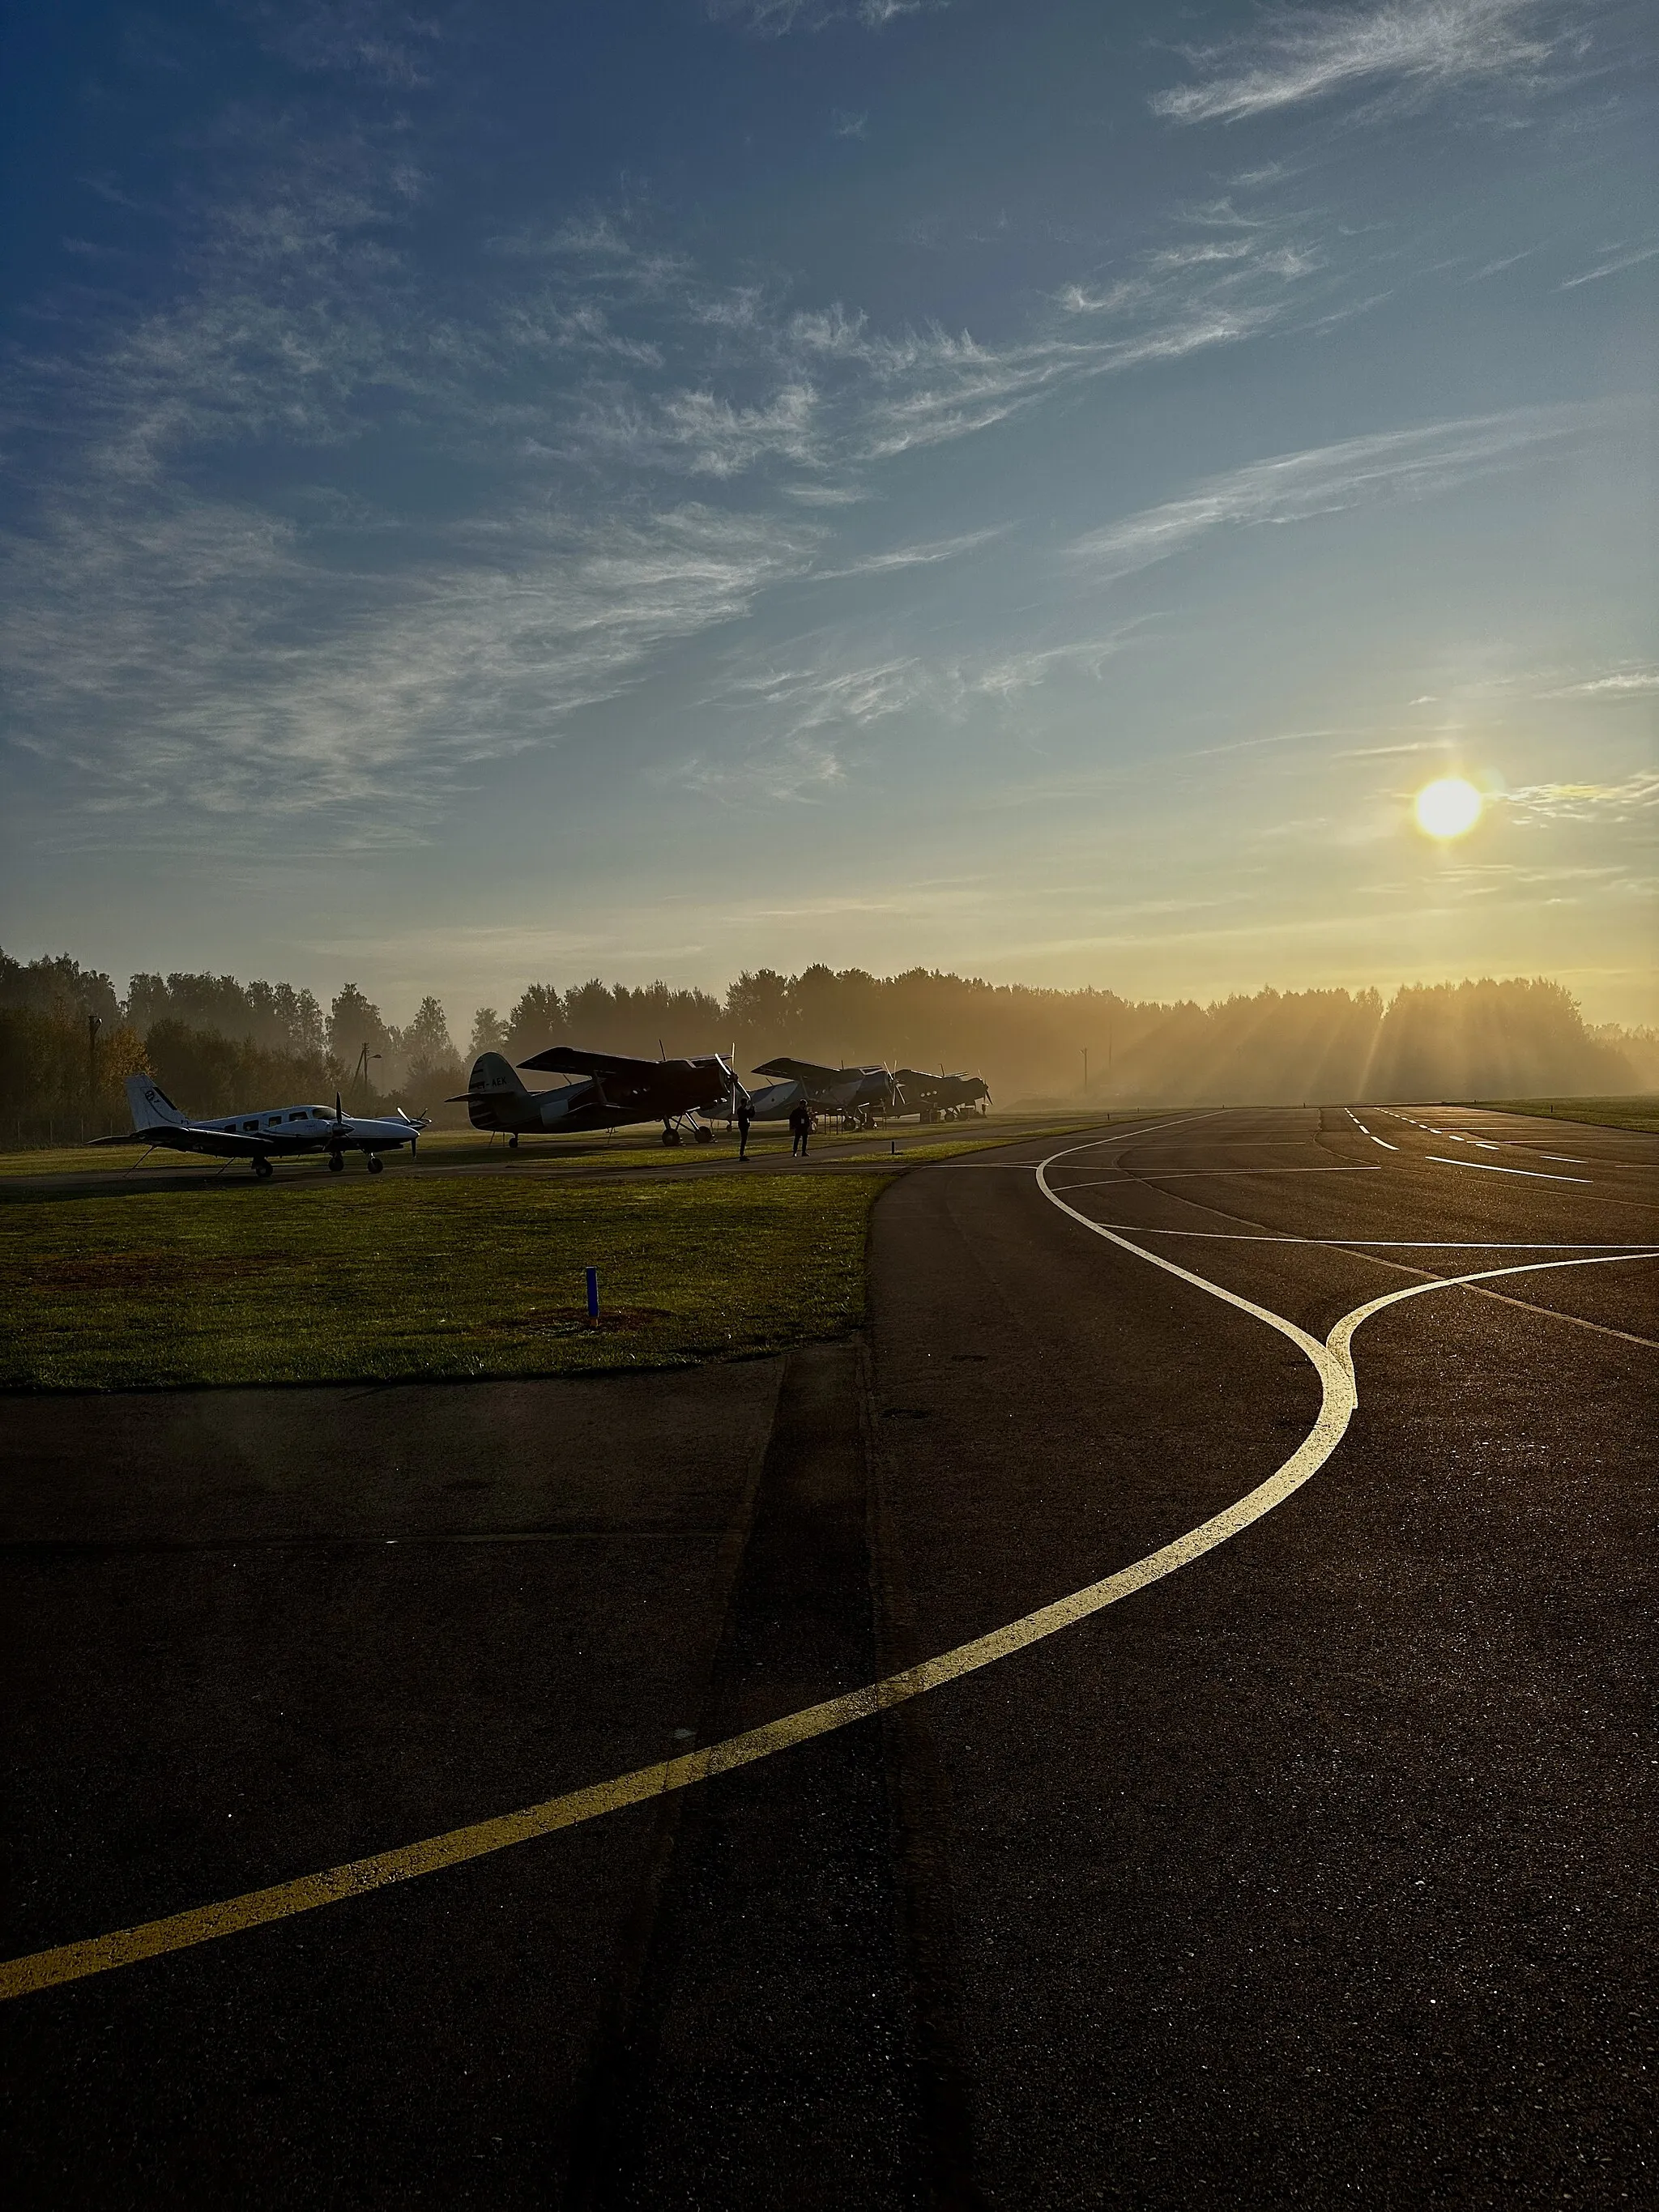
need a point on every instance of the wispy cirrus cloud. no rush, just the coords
(1610, 267)
(1623, 801)
(183, 636)
(775, 19)
(1412, 49)
(885, 560)
(1414, 464)
(819, 713)
(1622, 684)
(383, 41)
(204, 659)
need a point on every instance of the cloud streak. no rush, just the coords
(1416, 463)
(1623, 801)
(206, 661)
(1416, 49)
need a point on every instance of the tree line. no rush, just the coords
(214, 1043)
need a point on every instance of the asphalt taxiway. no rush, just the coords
(1164, 1720)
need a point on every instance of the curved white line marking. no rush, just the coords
(1334, 1361)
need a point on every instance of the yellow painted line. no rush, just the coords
(206, 1924)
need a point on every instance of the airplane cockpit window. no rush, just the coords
(299, 1116)
(253, 1125)
(273, 1121)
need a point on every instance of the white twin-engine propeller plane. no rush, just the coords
(259, 1138)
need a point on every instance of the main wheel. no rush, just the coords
(671, 1136)
(704, 1136)
(263, 1167)
(376, 1164)
(336, 1164)
(512, 1144)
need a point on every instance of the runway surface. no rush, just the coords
(1166, 1781)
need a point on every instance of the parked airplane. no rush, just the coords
(681, 1094)
(259, 1138)
(857, 1094)
(940, 1098)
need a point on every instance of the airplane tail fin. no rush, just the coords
(151, 1107)
(494, 1082)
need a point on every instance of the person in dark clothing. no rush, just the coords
(800, 1128)
(744, 1117)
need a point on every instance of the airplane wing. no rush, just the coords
(570, 1060)
(171, 1136)
(805, 1073)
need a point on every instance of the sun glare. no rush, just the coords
(1448, 807)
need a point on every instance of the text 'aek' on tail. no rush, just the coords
(493, 1081)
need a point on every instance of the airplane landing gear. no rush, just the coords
(263, 1168)
(336, 1162)
(513, 1143)
(669, 1134)
(705, 1136)
(376, 1164)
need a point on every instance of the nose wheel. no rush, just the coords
(336, 1164)
(376, 1164)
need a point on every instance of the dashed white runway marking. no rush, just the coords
(1371, 1133)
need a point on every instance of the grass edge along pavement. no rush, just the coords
(457, 1279)
(1640, 1113)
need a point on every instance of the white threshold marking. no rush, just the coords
(1332, 1360)
(1489, 1167)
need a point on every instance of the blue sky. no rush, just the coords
(497, 491)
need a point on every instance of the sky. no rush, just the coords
(498, 491)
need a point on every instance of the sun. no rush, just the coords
(1446, 807)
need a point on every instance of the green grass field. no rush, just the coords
(313, 1278)
(1605, 1112)
(330, 1281)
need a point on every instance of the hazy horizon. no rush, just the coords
(655, 491)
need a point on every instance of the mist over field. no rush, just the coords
(215, 1044)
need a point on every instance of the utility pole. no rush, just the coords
(1085, 1070)
(93, 1025)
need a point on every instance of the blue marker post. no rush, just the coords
(592, 1297)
